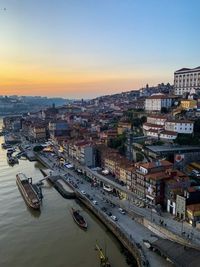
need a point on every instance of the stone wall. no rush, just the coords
(134, 248)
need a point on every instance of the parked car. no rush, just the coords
(109, 213)
(83, 192)
(104, 209)
(122, 211)
(114, 218)
(95, 202)
(195, 173)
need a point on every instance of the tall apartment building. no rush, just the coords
(186, 80)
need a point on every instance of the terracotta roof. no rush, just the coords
(159, 96)
(154, 130)
(158, 175)
(150, 165)
(157, 116)
(169, 133)
(194, 207)
(179, 121)
(153, 125)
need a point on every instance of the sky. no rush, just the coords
(87, 48)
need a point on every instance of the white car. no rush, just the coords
(83, 192)
(114, 218)
(94, 202)
(122, 211)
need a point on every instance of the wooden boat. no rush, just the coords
(79, 219)
(27, 190)
(103, 258)
(12, 160)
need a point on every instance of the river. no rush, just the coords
(48, 238)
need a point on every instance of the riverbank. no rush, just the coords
(49, 237)
(128, 231)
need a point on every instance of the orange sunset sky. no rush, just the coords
(83, 49)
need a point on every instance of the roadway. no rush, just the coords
(127, 224)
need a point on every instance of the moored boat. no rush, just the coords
(104, 262)
(12, 160)
(79, 219)
(27, 190)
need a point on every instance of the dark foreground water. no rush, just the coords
(49, 238)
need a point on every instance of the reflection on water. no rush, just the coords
(34, 213)
(48, 237)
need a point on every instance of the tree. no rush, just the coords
(197, 126)
(164, 110)
(143, 119)
(187, 139)
(38, 148)
(136, 122)
(139, 157)
(118, 143)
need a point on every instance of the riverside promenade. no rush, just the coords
(128, 225)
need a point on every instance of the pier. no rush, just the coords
(60, 184)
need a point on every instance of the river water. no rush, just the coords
(48, 238)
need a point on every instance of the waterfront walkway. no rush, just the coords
(127, 224)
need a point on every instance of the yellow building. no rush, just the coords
(193, 213)
(188, 104)
(122, 126)
(110, 164)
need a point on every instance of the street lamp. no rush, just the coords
(182, 227)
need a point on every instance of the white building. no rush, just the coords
(157, 119)
(156, 101)
(161, 134)
(182, 126)
(186, 80)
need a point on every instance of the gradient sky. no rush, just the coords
(82, 48)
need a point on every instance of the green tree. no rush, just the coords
(197, 126)
(187, 139)
(139, 157)
(38, 148)
(164, 110)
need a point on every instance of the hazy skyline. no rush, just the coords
(88, 48)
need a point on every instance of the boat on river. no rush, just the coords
(12, 160)
(28, 191)
(79, 219)
(104, 262)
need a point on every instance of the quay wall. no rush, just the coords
(38, 158)
(133, 247)
(155, 228)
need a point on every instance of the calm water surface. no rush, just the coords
(49, 238)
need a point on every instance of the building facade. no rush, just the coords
(186, 80)
(179, 126)
(158, 101)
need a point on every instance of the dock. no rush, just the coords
(62, 186)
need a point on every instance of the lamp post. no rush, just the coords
(182, 226)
